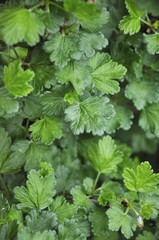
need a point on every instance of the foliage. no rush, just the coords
(79, 119)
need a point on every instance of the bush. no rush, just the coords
(79, 119)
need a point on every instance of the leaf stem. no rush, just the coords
(16, 54)
(7, 55)
(95, 182)
(56, 5)
(4, 185)
(148, 24)
(40, 4)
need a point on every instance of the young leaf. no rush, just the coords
(131, 23)
(39, 191)
(77, 73)
(152, 41)
(63, 209)
(104, 157)
(105, 197)
(46, 129)
(85, 115)
(141, 180)
(142, 92)
(20, 24)
(118, 219)
(149, 119)
(146, 210)
(104, 71)
(16, 79)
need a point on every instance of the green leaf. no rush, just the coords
(132, 8)
(31, 154)
(88, 185)
(99, 222)
(38, 220)
(65, 178)
(121, 120)
(105, 197)
(63, 209)
(20, 24)
(46, 129)
(141, 180)
(130, 24)
(39, 191)
(90, 115)
(16, 79)
(5, 166)
(32, 107)
(72, 230)
(104, 71)
(112, 186)
(8, 104)
(85, 12)
(92, 41)
(43, 69)
(118, 219)
(27, 234)
(149, 119)
(80, 199)
(53, 102)
(142, 92)
(51, 20)
(15, 214)
(152, 43)
(146, 211)
(104, 157)
(62, 48)
(77, 73)
(146, 236)
(98, 23)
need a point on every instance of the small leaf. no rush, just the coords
(104, 157)
(152, 41)
(105, 71)
(141, 180)
(63, 209)
(118, 219)
(80, 199)
(46, 129)
(16, 79)
(39, 191)
(90, 115)
(20, 24)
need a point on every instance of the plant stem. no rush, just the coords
(148, 24)
(16, 54)
(4, 185)
(95, 182)
(36, 6)
(56, 5)
(7, 55)
(47, 6)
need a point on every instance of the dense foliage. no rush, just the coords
(79, 119)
